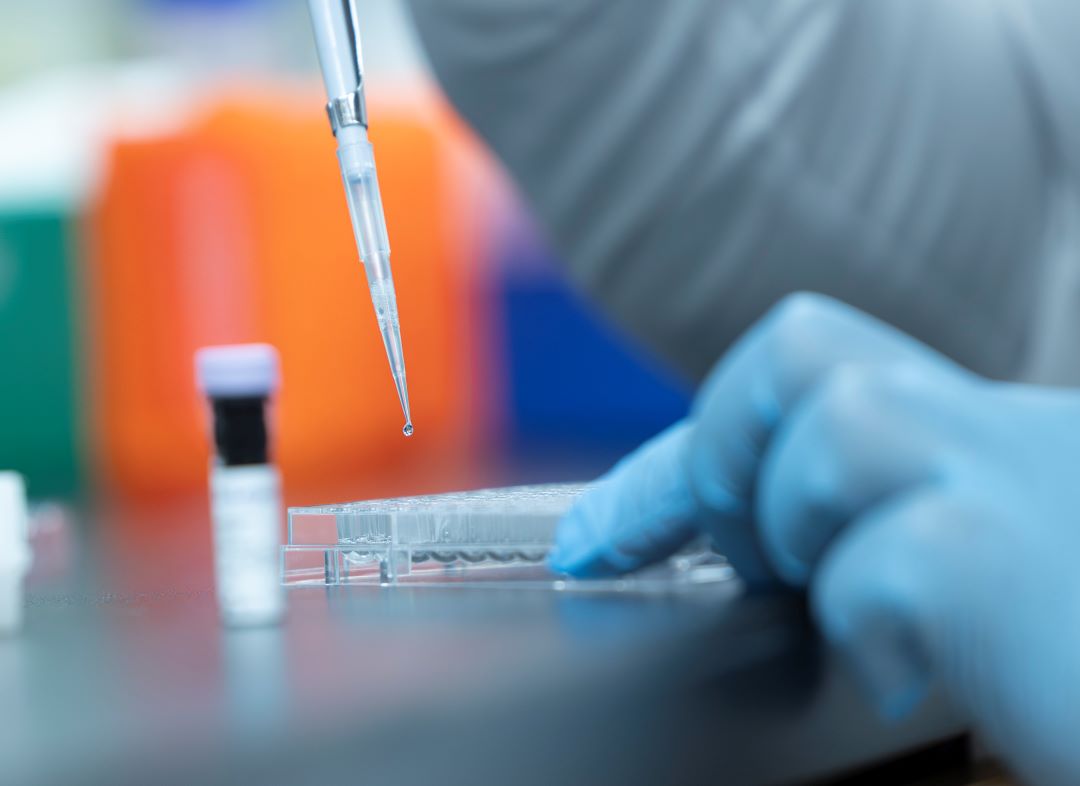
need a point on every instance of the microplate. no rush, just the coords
(491, 537)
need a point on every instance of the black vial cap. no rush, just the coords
(240, 434)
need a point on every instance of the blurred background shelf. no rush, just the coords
(140, 219)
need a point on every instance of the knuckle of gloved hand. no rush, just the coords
(801, 322)
(852, 396)
(805, 333)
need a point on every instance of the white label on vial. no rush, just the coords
(246, 509)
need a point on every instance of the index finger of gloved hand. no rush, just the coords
(643, 510)
(756, 386)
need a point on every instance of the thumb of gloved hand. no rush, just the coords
(934, 583)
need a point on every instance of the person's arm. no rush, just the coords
(694, 161)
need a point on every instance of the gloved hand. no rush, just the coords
(933, 515)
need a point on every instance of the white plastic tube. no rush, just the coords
(14, 550)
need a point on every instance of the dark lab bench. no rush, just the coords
(432, 686)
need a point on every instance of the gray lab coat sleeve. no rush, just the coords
(695, 160)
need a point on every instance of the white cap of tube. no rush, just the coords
(14, 550)
(237, 370)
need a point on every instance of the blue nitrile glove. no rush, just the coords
(934, 515)
(700, 475)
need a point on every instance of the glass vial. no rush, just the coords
(245, 487)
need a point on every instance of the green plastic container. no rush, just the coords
(39, 355)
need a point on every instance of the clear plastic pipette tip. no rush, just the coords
(369, 226)
(386, 312)
(403, 397)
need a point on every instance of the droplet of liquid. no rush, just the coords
(408, 430)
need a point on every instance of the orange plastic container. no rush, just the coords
(237, 230)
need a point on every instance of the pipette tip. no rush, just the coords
(403, 396)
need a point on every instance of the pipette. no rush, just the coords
(337, 37)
